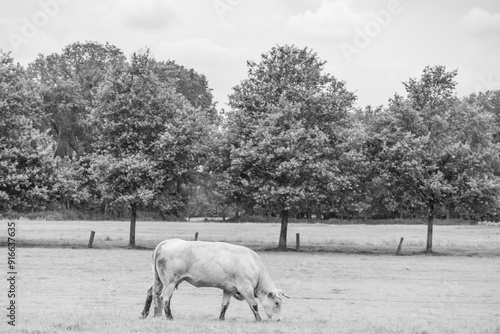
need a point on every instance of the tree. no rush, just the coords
(367, 141)
(191, 84)
(475, 155)
(281, 139)
(355, 196)
(68, 84)
(488, 101)
(26, 153)
(151, 141)
(70, 182)
(431, 143)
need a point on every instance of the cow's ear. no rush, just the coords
(270, 295)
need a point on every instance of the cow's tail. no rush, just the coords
(153, 290)
(157, 286)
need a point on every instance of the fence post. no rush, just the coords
(196, 236)
(297, 241)
(91, 240)
(400, 245)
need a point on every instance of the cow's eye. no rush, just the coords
(277, 304)
(270, 295)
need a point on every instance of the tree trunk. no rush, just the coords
(133, 217)
(430, 226)
(284, 229)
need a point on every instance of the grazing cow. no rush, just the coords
(237, 270)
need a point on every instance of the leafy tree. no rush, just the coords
(431, 143)
(281, 139)
(26, 153)
(205, 199)
(475, 154)
(367, 141)
(488, 101)
(191, 84)
(68, 85)
(355, 196)
(70, 183)
(151, 141)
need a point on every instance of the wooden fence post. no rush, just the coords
(297, 241)
(91, 240)
(196, 236)
(400, 245)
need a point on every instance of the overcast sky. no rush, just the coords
(373, 45)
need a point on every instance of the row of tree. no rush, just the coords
(93, 130)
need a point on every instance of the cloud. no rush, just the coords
(155, 14)
(202, 53)
(198, 47)
(332, 19)
(481, 22)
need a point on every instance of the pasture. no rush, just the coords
(364, 288)
(464, 240)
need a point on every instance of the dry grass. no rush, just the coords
(361, 239)
(103, 291)
(344, 290)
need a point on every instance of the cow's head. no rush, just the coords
(272, 303)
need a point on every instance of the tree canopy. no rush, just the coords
(26, 153)
(91, 129)
(281, 145)
(436, 150)
(150, 141)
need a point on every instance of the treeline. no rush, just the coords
(93, 130)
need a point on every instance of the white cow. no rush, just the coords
(237, 270)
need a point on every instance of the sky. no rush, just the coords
(372, 45)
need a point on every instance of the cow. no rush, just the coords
(237, 270)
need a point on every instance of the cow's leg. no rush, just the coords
(226, 298)
(167, 293)
(157, 298)
(255, 310)
(149, 299)
(248, 294)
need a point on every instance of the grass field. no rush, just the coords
(361, 239)
(102, 290)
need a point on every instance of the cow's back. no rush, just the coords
(211, 264)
